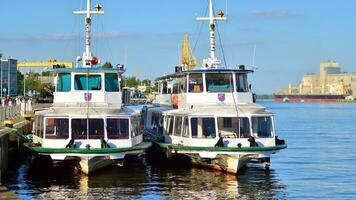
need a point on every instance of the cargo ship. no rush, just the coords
(329, 85)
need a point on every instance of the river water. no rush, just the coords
(319, 163)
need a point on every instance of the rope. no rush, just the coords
(200, 30)
(221, 46)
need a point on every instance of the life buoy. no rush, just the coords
(175, 101)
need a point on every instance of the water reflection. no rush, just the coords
(39, 179)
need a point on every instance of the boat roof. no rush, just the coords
(87, 69)
(241, 110)
(182, 73)
(91, 111)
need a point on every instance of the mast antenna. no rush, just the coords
(88, 58)
(212, 61)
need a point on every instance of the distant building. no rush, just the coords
(8, 76)
(329, 81)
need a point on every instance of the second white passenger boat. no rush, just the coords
(209, 114)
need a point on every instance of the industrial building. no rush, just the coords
(330, 81)
(8, 76)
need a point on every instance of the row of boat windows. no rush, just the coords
(227, 127)
(214, 82)
(116, 128)
(88, 82)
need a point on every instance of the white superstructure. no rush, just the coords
(87, 121)
(210, 115)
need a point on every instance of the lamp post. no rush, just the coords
(8, 77)
(24, 85)
(1, 75)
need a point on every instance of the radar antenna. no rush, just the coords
(88, 58)
(212, 61)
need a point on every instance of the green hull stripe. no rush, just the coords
(220, 149)
(142, 146)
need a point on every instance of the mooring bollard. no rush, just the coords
(28, 116)
(9, 123)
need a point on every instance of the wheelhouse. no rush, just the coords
(196, 81)
(97, 85)
(213, 85)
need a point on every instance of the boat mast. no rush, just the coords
(213, 61)
(87, 55)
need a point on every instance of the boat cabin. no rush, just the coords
(211, 86)
(99, 86)
(204, 127)
(87, 111)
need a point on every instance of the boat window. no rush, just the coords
(244, 127)
(57, 128)
(111, 82)
(169, 125)
(241, 83)
(39, 126)
(83, 81)
(63, 82)
(195, 83)
(135, 126)
(178, 126)
(156, 122)
(227, 122)
(175, 87)
(203, 127)
(79, 128)
(117, 128)
(262, 126)
(183, 84)
(164, 89)
(233, 127)
(228, 127)
(185, 127)
(219, 82)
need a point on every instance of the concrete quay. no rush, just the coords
(4, 140)
(6, 134)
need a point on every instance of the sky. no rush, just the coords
(291, 36)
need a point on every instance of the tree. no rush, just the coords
(107, 65)
(131, 82)
(19, 83)
(146, 82)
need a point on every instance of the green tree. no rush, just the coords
(107, 65)
(19, 83)
(33, 82)
(131, 82)
(146, 82)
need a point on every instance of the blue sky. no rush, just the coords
(291, 36)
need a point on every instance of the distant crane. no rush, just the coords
(50, 63)
(188, 59)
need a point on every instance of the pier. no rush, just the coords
(10, 117)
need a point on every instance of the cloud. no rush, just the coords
(273, 14)
(62, 37)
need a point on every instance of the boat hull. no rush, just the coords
(89, 165)
(91, 160)
(224, 159)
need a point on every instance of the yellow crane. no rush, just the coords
(188, 59)
(48, 64)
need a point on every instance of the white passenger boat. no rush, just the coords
(87, 121)
(209, 114)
